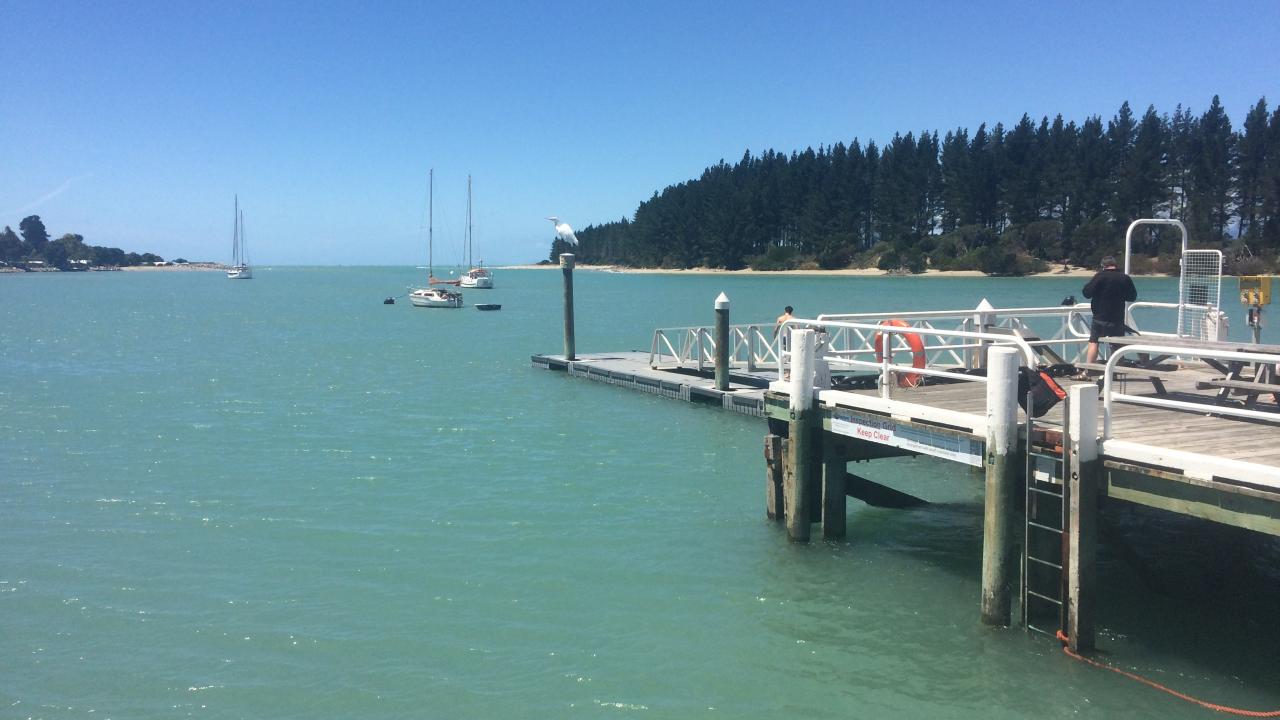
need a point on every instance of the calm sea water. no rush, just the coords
(282, 498)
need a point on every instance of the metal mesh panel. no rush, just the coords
(1199, 292)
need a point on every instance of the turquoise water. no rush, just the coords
(281, 498)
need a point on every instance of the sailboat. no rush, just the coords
(478, 276)
(433, 297)
(239, 269)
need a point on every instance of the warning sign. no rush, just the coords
(923, 440)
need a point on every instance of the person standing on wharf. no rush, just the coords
(783, 318)
(1108, 291)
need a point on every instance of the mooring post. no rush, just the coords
(722, 342)
(774, 454)
(566, 267)
(1002, 476)
(1085, 477)
(799, 477)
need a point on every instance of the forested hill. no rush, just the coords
(1003, 200)
(69, 252)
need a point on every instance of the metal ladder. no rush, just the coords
(1044, 537)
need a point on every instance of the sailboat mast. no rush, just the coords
(469, 264)
(431, 211)
(235, 234)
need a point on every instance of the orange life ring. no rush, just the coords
(906, 380)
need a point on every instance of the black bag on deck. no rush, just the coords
(1045, 393)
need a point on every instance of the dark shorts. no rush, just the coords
(1105, 328)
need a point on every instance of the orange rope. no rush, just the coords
(1151, 683)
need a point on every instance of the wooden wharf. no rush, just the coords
(1180, 444)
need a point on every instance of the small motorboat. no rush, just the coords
(488, 306)
(389, 301)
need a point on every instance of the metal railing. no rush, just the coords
(1062, 330)
(1178, 309)
(752, 347)
(1110, 396)
(957, 338)
(878, 344)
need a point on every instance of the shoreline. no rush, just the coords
(1074, 272)
(188, 267)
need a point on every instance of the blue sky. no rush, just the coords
(135, 123)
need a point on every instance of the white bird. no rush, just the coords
(563, 231)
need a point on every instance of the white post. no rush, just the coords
(1002, 477)
(800, 477)
(982, 317)
(802, 369)
(1085, 477)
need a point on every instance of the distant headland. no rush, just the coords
(34, 251)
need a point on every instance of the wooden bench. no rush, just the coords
(1250, 389)
(1128, 372)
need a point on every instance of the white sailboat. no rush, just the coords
(433, 297)
(478, 276)
(240, 269)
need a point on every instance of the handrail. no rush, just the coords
(694, 347)
(756, 346)
(894, 339)
(1049, 310)
(1109, 397)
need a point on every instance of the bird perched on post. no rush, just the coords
(563, 231)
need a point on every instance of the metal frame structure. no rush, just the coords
(1128, 235)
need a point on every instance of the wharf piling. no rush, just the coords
(566, 269)
(722, 342)
(803, 441)
(1001, 480)
(1083, 479)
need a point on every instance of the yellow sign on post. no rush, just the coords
(1255, 289)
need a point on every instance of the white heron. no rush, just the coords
(563, 231)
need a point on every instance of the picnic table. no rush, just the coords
(1249, 378)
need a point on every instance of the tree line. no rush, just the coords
(65, 253)
(1002, 200)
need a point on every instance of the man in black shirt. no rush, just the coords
(1108, 291)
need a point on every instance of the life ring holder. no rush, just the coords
(913, 340)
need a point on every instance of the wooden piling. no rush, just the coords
(1084, 478)
(801, 458)
(834, 493)
(1001, 480)
(722, 342)
(774, 455)
(566, 268)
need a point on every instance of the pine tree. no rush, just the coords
(1023, 174)
(1269, 216)
(1252, 162)
(1140, 180)
(1209, 203)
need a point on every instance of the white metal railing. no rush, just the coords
(752, 347)
(956, 338)
(1179, 309)
(1061, 329)
(1110, 396)
(940, 347)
